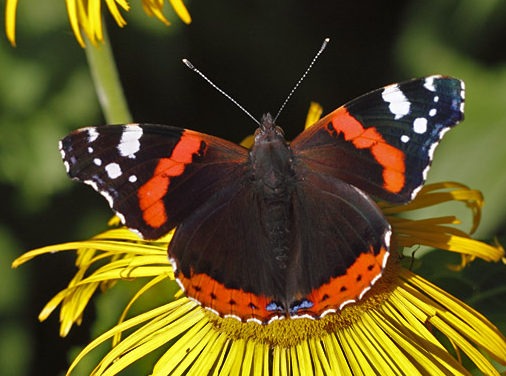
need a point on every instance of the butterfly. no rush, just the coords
(284, 229)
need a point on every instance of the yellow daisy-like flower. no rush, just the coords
(404, 325)
(86, 16)
(395, 329)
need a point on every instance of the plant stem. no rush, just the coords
(106, 80)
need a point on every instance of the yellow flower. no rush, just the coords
(86, 16)
(404, 325)
(396, 329)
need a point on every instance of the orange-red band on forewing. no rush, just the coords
(188, 145)
(389, 157)
(151, 194)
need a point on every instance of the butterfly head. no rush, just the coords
(268, 131)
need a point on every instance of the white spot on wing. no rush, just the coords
(431, 150)
(108, 197)
(268, 322)
(132, 178)
(330, 310)
(97, 161)
(180, 284)
(404, 138)
(398, 103)
(67, 166)
(92, 134)
(230, 316)
(433, 146)
(429, 83)
(417, 189)
(129, 143)
(364, 291)
(92, 184)
(121, 217)
(212, 310)
(432, 112)
(62, 152)
(386, 238)
(304, 316)
(136, 232)
(90, 149)
(113, 170)
(420, 125)
(346, 302)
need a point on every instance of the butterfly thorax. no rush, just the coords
(271, 159)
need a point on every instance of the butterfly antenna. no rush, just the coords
(324, 45)
(192, 67)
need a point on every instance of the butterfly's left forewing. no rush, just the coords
(383, 141)
(153, 176)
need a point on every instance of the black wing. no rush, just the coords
(153, 176)
(383, 141)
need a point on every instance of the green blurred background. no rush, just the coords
(255, 51)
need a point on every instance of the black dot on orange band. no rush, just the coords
(213, 295)
(202, 149)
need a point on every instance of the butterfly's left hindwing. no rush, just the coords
(153, 176)
(383, 141)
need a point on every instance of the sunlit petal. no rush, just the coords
(86, 16)
(10, 20)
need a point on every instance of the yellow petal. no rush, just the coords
(137, 295)
(313, 115)
(95, 20)
(10, 20)
(179, 312)
(181, 11)
(338, 361)
(113, 9)
(154, 8)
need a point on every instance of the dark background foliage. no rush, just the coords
(256, 51)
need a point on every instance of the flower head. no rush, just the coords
(403, 325)
(396, 329)
(85, 16)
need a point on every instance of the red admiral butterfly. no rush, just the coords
(284, 229)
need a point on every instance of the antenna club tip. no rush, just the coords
(187, 63)
(327, 40)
